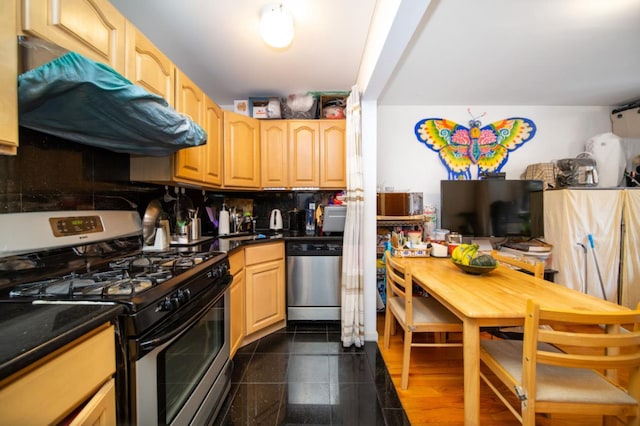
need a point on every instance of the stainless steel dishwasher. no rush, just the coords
(314, 271)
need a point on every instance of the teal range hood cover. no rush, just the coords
(84, 101)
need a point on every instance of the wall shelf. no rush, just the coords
(386, 221)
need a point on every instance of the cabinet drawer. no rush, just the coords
(263, 253)
(236, 262)
(49, 392)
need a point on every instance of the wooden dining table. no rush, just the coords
(497, 298)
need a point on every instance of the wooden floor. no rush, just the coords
(435, 393)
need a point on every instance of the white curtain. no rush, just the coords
(631, 253)
(352, 258)
(570, 216)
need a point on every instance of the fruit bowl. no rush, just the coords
(473, 269)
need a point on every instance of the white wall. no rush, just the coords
(405, 163)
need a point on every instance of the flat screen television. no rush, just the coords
(492, 207)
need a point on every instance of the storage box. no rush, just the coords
(625, 121)
(241, 106)
(267, 107)
(412, 252)
(333, 106)
(289, 111)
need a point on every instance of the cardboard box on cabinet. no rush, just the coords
(625, 122)
(267, 107)
(241, 106)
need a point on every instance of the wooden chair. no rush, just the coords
(558, 368)
(414, 314)
(537, 269)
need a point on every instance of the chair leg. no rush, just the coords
(406, 359)
(528, 415)
(387, 327)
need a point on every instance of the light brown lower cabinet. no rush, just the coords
(236, 261)
(265, 286)
(78, 375)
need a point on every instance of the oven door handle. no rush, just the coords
(151, 344)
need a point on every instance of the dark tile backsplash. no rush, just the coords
(50, 174)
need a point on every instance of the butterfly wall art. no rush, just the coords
(487, 147)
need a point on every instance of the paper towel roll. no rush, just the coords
(223, 223)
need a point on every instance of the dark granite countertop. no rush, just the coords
(29, 331)
(231, 243)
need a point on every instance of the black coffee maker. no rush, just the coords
(297, 221)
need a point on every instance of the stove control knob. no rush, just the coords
(168, 304)
(183, 295)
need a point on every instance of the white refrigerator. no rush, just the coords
(608, 263)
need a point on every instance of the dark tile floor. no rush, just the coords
(303, 375)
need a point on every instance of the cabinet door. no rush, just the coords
(213, 123)
(8, 78)
(273, 154)
(333, 154)
(100, 409)
(241, 151)
(265, 304)
(189, 162)
(147, 66)
(237, 311)
(304, 151)
(93, 28)
(62, 383)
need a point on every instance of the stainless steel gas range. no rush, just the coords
(173, 349)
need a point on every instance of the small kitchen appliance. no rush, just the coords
(275, 220)
(399, 203)
(297, 221)
(333, 218)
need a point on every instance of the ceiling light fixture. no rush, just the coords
(276, 26)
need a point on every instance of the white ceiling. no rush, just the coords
(217, 43)
(463, 52)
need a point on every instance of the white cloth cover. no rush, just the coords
(570, 215)
(609, 154)
(630, 283)
(352, 255)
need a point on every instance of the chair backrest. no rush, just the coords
(585, 345)
(537, 269)
(400, 284)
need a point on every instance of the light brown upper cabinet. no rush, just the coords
(190, 99)
(241, 151)
(317, 154)
(333, 154)
(273, 153)
(199, 165)
(93, 28)
(8, 78)
(147, 66)
(304, 151)
(213, 125)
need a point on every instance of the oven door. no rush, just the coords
(185, 375)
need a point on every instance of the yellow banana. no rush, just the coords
(456, 253)
(469, 253)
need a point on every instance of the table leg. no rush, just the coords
(471, 355)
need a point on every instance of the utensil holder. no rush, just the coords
(195, 231)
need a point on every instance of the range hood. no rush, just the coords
(78, 99)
